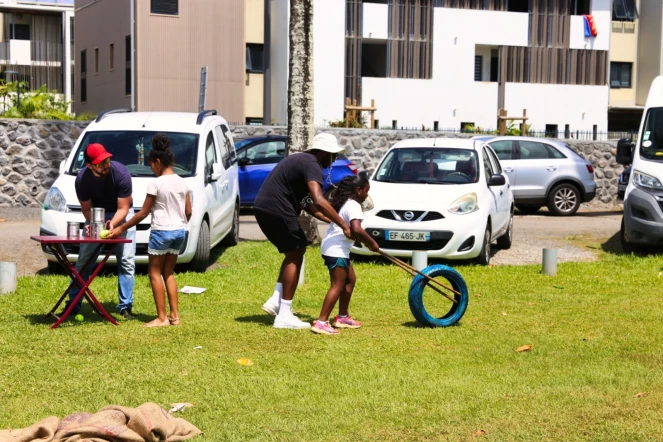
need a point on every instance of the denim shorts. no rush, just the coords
(333, 261)
(166, 241)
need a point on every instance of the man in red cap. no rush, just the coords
(107, 184)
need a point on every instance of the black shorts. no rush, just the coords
(285, 233)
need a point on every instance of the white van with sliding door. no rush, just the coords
(642, 224)
(204, 156)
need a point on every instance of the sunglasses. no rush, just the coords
(105, 162)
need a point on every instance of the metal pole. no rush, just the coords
(267, 68)
(550, 262)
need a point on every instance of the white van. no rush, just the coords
(204, 155)
(642, 223)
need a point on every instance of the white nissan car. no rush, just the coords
(204, 156)
(448, 197)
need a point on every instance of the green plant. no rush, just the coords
(513, 129)
(354, 123)
(38, 104)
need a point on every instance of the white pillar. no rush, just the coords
(279, 50)
(67, 55)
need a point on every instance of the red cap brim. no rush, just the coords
(102, 157)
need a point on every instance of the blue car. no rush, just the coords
(257, 156)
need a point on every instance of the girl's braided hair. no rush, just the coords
(346, 190)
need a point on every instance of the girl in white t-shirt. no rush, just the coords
(168, 201)
(346, 200)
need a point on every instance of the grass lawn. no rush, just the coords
(596, 330)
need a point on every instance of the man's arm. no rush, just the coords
(326, 208)
(123, 206)
(86, 208)
(315, 212)
(141, 215)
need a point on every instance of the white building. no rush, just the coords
(449, 63)
(36, 41)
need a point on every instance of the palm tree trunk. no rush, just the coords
(300, 93)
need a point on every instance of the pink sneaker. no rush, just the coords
(323, 328)
(346, 322)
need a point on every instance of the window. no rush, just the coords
(270, 152)
(551, 130)
(19, 32)
(581, 7)
(210, 155)
(503, 149)
(624, 10)
(111, 57)
(167, 7)
(620, 75)
(496, 163)
(228, 155)
(531, 150)
(554, 153)
(494, 65)
(96, 60)
(518, 5)
(477, 68)
(467, 127)
(487, 166)
(83, 76)
(254, 60)
(127, 68)
(374, 59)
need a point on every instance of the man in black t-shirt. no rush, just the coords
(107, 184)
(294, 185)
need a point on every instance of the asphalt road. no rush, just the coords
(532, 233)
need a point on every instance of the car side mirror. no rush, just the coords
(244, 162)
(62, 164)
(216, 172)
(364, 174)
(625, 148)
(497, 180)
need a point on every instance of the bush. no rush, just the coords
(40, 104)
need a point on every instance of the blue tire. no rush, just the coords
(416, 297)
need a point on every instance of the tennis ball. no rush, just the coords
(79, 318)
(104, 233)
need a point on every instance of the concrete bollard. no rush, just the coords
(301, 273)
(7, 277)
(419, 260)
(550, 262)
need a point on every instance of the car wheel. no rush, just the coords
(504, 241)
(416, 297)
(564, 200)
(232, 238)
(484, 256)
(628, 247)
(54, 268)
(527, 210)
(200, 260)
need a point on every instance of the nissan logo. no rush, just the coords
(408, 216)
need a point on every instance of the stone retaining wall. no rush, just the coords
(31, 152)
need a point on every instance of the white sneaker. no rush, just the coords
(290, 321)
(271, 307)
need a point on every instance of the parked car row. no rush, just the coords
(450, 197)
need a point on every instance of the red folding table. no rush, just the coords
(56, 245)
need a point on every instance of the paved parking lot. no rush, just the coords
(532, 233)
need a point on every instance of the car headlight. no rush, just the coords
(55, 200)
(646, 181)
(465, 204)
(368, 204)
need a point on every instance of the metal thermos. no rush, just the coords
(95, 230)
(98, 215)
(73, 229)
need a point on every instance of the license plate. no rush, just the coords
(399, 235)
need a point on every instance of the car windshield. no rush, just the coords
(651, 147)
(130, 148)
(432, 165)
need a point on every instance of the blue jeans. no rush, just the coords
(126, 266)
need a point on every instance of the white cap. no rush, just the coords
(326, 143)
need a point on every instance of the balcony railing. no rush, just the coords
(45, 51)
